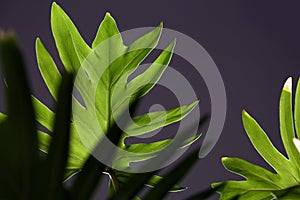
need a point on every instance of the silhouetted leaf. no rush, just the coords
(59, 148)
(20, 134)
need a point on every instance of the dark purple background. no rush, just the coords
(255, 44)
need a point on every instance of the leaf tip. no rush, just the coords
(174, 41)
(288, 84)
(38, 45)
(196, 102)
(107, 14)
(245, 113)
(161, 24)
(37, 41)
(109, 17)
(217, 185)
(171, 46)
(54, 4)
(223, 159)
(55, 10)
(245, 117)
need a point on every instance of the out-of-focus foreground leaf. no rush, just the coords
(19, 145)
(24, 174)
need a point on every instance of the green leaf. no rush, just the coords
(107, 29)
(154, 120)
(134, 54)
(149, 78)
(89, 177)
(260, 183)
(289, 193)
(78, 152)
(239, 189)
(157, 146)
(43, 114)
(263, 145)
(129, 61)
(71, 47)
(44, 141)
(287, 126)
(252, 172)
(114, 61)
(47, 68)
(254, 195)
(34, 176)
(149, 151)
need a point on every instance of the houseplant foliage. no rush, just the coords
(260, 183)
(73, 50)
(26, 174)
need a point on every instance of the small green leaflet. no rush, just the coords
(260, 183)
